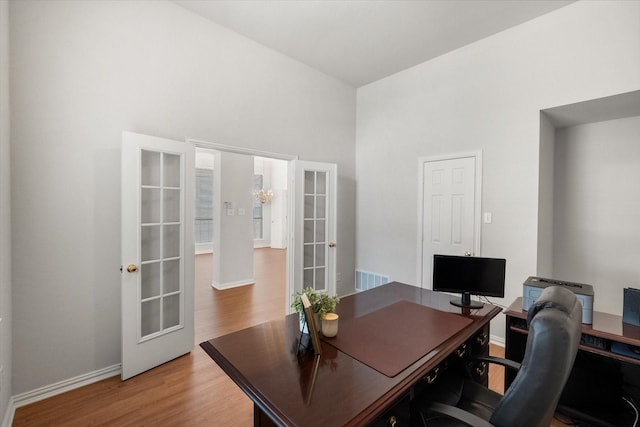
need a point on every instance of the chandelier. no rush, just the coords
(263, 196)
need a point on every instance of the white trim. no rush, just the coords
(63, 386)
(499, 341)
(291, 233)
(240, 150)
(290, 159)
(477, 155)
(229, 285)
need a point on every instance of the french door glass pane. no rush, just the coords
(171, 241)
(150, 242)
(171, 170)
(150, 168)
(321, 184)
(171, 275)
(150, 205)
(319, 255)
(150, 317)
(309, 182)
(320, 282)
(308, 256)
(171, 205)
(320, 230)
(308, 279)
(171, 311)
(320, 207)
(309, 206)
(150, 278)
(308, 230)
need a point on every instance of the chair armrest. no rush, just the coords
(453, 412)
(498, 361)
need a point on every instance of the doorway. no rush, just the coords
(251, 199)
(448, 209)
(158, 240)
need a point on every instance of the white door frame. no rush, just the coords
(290, 202)
(477, 223)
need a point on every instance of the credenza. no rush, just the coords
(604, 386)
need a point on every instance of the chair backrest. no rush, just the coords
(555, 326)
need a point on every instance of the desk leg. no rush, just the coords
(260, 419)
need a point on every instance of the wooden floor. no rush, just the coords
(191, 390)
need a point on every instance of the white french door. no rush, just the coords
(314, 234)
(450, 211)
(157, 251)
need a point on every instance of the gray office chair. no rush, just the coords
(554, 335)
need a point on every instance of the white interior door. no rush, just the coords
(450, 210)
(314, 222)
(157, 251)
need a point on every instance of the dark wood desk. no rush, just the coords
(601, 375)
(289, 389)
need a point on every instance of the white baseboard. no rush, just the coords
(60, 387)
(229, 285)
(494, 339)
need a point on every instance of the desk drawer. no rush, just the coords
(398, 416)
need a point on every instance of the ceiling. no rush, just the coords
(361, 41)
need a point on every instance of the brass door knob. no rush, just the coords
(132, 268)
(332, 245)
(467, 253)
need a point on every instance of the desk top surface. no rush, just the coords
(605, 325)
(334, 388)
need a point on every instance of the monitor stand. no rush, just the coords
(465, 302)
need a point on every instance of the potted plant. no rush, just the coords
(321, 304)
(326, 311)
(326, 304)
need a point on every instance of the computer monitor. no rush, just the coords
(468, 276)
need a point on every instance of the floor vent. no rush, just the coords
(367, 280)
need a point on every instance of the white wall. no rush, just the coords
(488, 96)
(274, 174)
(84, 71)
(279, 205)
(5, 221)
(232, 220)
(597, 207)
(545, 197)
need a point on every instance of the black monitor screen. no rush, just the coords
(469, 275)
